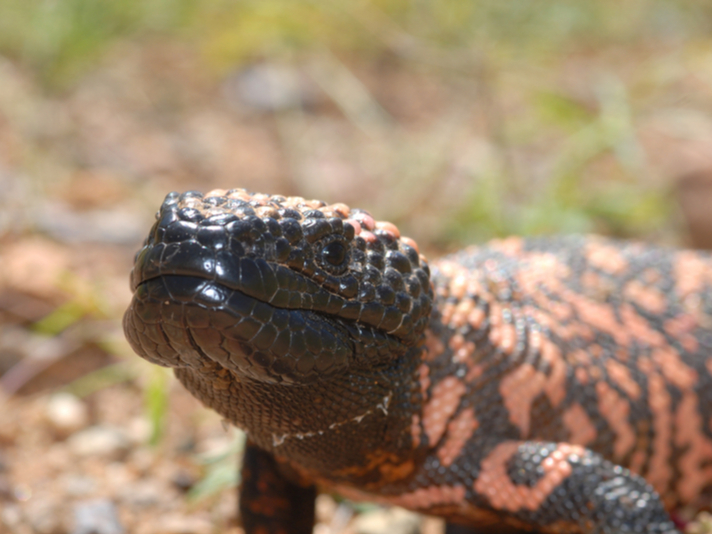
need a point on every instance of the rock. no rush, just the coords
(79, 485)
(118, 476)
(66, 414)
(139, 430)
(144, 493)
(105, 441)
(388, 521)
(6, 492)
(701, 525)
(215, 446)
(44, 516)
(96, 517)
(142, 460)
(10, 517)
(268, 87)
(325, 507)
(10, 337)
(183, 480)
(179, 524)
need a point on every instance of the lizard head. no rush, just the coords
(275, 289)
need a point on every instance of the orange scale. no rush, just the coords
(411, 243)
(369, 237)
(366, 220)
(342, 209)
(215, 193)
(388, 227)
(355, 224)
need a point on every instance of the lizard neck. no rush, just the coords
(346, 428)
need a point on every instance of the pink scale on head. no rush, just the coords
(190, 200)
(367, 236)
(215, 193)
(368, 222)
(240, 194)
(266, 211)
(411, 243)
(341, 209)
(314, 204)
(389, 228)
(261, 198)
(355, 224)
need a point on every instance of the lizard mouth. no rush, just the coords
(187, 321)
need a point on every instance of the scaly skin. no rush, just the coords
(554, 384)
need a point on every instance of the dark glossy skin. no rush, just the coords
(516, 387)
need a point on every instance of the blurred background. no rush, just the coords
(458, 121)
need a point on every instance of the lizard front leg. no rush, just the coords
(270, 503)
(558, 487)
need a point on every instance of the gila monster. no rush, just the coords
(546, 384)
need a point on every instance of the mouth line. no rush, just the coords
(219, 284)
(318, 315)
(210, 291)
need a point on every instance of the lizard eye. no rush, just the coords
(334, 256)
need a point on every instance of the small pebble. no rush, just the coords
(78, 485)
(44, 516)
(325, 507)
(96, 517)
(388, 521)
(117, 476)
(6, 492)
(143, 460)
(267, 87)
(66, 414)
(22, 492)
(214, 446)
(701, 525)
(11, 517)
(144, 493)
(139, 430)
(179, 524)
(105, 441)
(183, 480)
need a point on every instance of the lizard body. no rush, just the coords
(548, 384)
